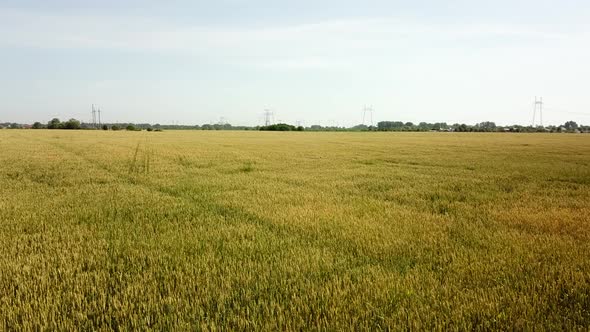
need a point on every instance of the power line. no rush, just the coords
(539, 103)
(93, 116)
(96, 116)
(370, 111)
(268, 117)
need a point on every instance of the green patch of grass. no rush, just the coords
(247, 167)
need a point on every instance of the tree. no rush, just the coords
(390, 125)
(440, 126)
(115, 127)
(37, 125)
(279, 127)
(462, 128)
(423, 126)
(130, 127)
(71, 124)
(105, 127)
(360, 127)
(486, 126)
(570, 125)
(54, 124)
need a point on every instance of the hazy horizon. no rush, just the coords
(190, 62)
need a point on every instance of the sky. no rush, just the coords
(310, 62)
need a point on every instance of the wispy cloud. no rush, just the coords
(310, 45)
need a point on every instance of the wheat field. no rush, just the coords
(191, 230)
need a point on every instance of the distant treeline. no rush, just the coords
(570, 126)
(281, 127)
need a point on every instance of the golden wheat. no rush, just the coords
(289, 231)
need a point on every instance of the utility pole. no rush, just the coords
(93, 116)
(99, 123)
(539, 105)
(370, 111)
(268, 116)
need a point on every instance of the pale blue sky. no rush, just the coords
(193, 62)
